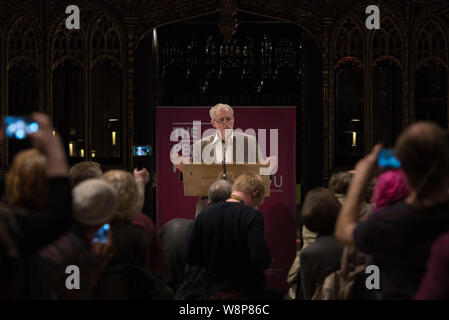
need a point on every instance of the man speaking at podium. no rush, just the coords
(226, 145)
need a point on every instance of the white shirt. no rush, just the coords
(219, 147)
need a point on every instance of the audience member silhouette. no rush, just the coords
(435, 283)
(322, 257)
(94, 204)
(173, 235)
(227, 242)
(85, 170)
(399, 238)
(38, 210)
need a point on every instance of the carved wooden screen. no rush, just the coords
(349, 94)
(22, 66)
(68, 90)
(106, 91)
(260, 65)
(387, 83)
(1, 74)
(432, 75)
(22, 74)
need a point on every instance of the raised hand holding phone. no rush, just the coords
(102, 247)
(141, 153)
(102, 234)
(48, 141)
(387, 159)
(18, 127)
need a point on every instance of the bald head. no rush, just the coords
(423, 150)
(219, 191)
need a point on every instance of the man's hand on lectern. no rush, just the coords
(273, 167)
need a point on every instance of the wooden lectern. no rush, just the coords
(198, 177)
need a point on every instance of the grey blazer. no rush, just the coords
(244, 148)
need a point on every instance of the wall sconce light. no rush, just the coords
(93, 154)
(71, 149)
(72, 144)
(354, 139)
(113, 126)
(353, 128)
(114, 138)
(80, 148)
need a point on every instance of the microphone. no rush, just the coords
(225, 175)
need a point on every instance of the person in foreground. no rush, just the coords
(322, 257)
(174, 235)
(38, 210)
(399, 238)
(94, 204)
(435, 283)
(227, 240)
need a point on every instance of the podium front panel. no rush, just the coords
(198, 177)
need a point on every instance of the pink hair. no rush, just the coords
(392, 187)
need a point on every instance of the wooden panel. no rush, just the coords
(198, 177)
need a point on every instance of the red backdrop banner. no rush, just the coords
(279, 210)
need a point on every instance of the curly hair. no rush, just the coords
(249, 183)
(130, 197)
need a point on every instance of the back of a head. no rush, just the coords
(219, 191)
(391, 187)
(94, 202)
(249, 183)
(85, 170)
(131, 243)
(423, 150)
(320, 211)
(340, 181)
(26, 181)
(127, 191)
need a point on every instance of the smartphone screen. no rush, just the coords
(387, 159)
(142, 151)
(19, 127)
(102, 234)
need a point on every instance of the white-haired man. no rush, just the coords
(226, 144)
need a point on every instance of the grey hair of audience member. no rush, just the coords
(85, 170)
(219, 191)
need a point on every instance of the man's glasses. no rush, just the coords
(222, 120)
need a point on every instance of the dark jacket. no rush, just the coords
(318, 260)
(173, 237)
(227, 239)
(21, 275)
